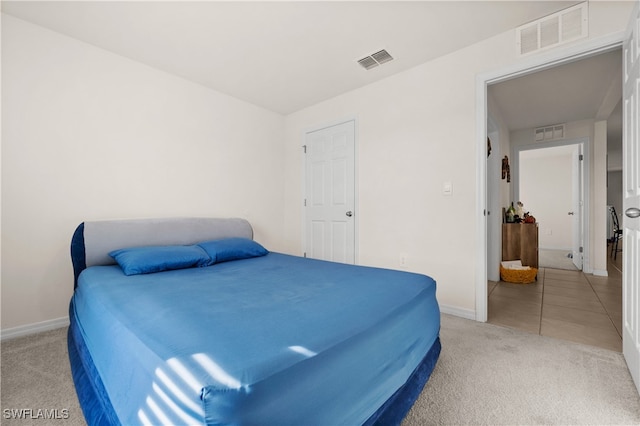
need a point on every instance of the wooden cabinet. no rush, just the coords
(520, 242)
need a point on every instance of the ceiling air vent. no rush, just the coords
(553, 30)
(549, 133)
(375, 59)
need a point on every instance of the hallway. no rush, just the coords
(564, 304)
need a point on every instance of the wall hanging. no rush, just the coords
(506, 172)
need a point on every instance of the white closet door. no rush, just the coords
(330, 192)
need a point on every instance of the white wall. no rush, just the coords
(614, 161)
(614, 192)
(599, 212)
(417, 130)
(91, 135)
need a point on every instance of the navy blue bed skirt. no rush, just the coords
(93, 398)
(396, 408)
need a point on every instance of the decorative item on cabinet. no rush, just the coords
(511, 214)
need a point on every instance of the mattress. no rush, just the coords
(276, 339)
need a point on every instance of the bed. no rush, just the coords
(191, 321)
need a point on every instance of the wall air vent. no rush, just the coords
(549, 133)
(375, 59)
(553, 30)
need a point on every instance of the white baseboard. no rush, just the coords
(458, 312)
(600, 273)
(25, 330)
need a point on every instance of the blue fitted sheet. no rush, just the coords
(276, 339)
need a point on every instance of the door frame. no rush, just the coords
(519, 68)
(494, 213)
(585, 144)
(356, 201)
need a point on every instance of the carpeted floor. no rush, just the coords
(35, 375)
(490, 375)
(486, 374)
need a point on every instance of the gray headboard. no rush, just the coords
(92, 241)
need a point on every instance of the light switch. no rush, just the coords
(447, 188)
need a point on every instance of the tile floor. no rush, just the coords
(564, 304)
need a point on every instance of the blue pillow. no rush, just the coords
(145, 260)
(232, 249)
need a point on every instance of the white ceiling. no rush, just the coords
(587, 89)
(283, 56)
(570, 92)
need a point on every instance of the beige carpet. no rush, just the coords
(490, 375)
(486, 375)
(35, 375)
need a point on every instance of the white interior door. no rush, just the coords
(631, 198)
(577, 206)
(330, 193)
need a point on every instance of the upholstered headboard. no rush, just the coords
(92, 241)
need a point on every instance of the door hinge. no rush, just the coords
(580, 157)
(304, 147)
(580, 250)
(305, 202)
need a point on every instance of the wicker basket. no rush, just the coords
(518, 276)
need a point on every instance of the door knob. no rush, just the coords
(570, 213)
(349, 213)
(632, 212)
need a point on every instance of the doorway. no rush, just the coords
(494, 215)
(631, 190)
(550, 181)
(555, 305)
(560, 58)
